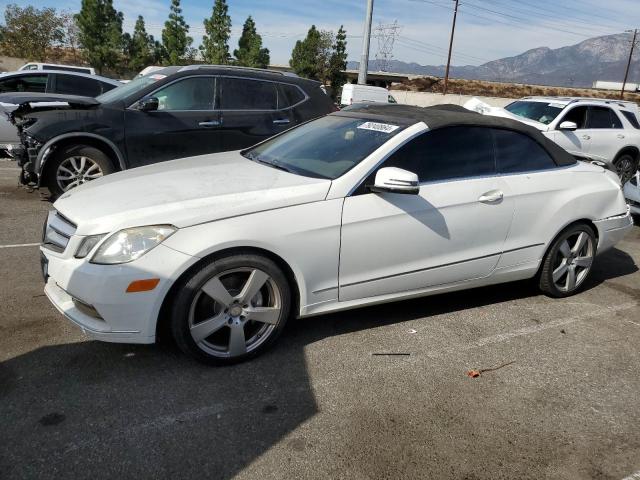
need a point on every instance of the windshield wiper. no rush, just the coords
(253, 157)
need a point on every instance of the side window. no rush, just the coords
(245, 94)
(289, 95)
(633, 120)
(24, 83)
(105, 87)
(516, 152)
(603, 117)
(194, 93)
(447, 153)
(74, 85)
(577, 115)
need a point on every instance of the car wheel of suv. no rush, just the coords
(231, 309)
(76, 165)
(626, 167)
(567, 264)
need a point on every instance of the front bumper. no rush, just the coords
(613, 229)
(94, 297)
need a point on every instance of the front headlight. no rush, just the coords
(131, 243)
(87, 245)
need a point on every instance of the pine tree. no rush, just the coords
(142, 45)
(310, 57)
(250, 52)
(304, 55)
(175, 39)
(100, 33)
(338, 62)
(215, 44)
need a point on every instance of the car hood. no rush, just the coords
(477, 105)
(18, 104)
(186, 192)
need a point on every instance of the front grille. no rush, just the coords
(57, 231)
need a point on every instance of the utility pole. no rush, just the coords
(626, 73)
(366, 39)
(453, 29)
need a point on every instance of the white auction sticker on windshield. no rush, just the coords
(378, 127)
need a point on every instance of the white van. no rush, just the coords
(353, 93)
(53, 66)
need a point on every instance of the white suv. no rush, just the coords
(605, 132)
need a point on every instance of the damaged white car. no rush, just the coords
(605, 132)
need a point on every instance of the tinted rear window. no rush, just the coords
(516, 152)
(72, 85)
(633, 120)
(603, 117)
(289, 95)
(244, 94)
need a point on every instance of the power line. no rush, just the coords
(457, 53)
(508, 17)
(552, 16)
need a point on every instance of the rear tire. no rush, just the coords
(75, 165)
(625, 166)
(567, 264)
(231, 310)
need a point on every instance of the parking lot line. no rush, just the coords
(21, 245)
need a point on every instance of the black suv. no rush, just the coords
(171, 113)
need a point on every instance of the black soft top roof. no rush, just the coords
(449, 115)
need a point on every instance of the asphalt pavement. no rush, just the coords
(374, 393)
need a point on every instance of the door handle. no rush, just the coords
(586, 137)
(210, 123)
(492, 196)
(281, 121)
(621, 136)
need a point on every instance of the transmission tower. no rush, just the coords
(386, 35)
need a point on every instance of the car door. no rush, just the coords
(606, 132)
(249, 111)
(539, 190)
(184, 124)
(576, 142)
(453, 230)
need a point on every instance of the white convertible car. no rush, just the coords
(367, 205)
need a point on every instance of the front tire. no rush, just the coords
(231, 309)
(567, 264)
(75, 165)
(626, 167)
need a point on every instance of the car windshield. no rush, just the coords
(542, 112)
(127, 89)
(324, 148)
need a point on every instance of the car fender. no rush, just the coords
(46, 150)
(306, 237)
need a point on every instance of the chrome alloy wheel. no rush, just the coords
(625, 168)
(235, 312)
(573, 261)
(76, 170)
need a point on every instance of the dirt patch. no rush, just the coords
(505, 90)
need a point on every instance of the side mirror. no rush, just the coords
(568, 126)
(396, 180)
(148, 104)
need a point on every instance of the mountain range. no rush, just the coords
(598, 58)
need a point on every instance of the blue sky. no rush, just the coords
(486, 30)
